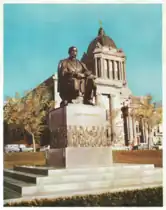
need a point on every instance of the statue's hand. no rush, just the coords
(92, 76)
(79, 75)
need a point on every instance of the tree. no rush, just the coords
(30, 111)
(145, 111)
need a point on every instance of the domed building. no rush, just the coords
(108, 63)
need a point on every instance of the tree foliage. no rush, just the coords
(29, 111)
(145, 108)
(146, 112)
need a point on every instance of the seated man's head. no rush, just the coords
(72, 52)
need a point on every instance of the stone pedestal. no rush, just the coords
(79, 137)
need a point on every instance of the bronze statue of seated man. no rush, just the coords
(74, 80)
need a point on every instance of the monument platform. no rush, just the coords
(30, 182)
(79, 137)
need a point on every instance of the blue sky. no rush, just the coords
(37, 36)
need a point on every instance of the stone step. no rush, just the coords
(19, 186)
(57, 179)
(9, 193)
(155, 171)
(74, 193)
(112, 183)
(33, 169)
(69, 193)
(65, 178)
(53, 171)
(27, 177)
(157, 176)
(90, 191)
(25, 190)
(71, 178)
(29, 189)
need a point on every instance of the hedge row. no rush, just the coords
(143, 197)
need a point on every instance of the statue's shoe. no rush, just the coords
(70, 102)
(63, 103)
(89, 102)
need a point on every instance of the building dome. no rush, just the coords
(103, 40)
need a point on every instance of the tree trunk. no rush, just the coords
(149, 136)
(34, 143)
(33, 140)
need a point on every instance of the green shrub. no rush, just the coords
(143, 197)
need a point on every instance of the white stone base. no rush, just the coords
(73, 157)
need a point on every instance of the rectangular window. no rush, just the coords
(123, 68)
(98, 67)
(118, 70)
(113, 70)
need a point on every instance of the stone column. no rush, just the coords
(112, 121)
(115, 69)
(144, 131)
(130, 129)
(57, 98)
(128, 126)
(102, 67)
(134, 130)
(141, 130)
(110, 69)
(124, 70)
(118, 71)
(121, 72)
(124, 110)
(55, 85)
